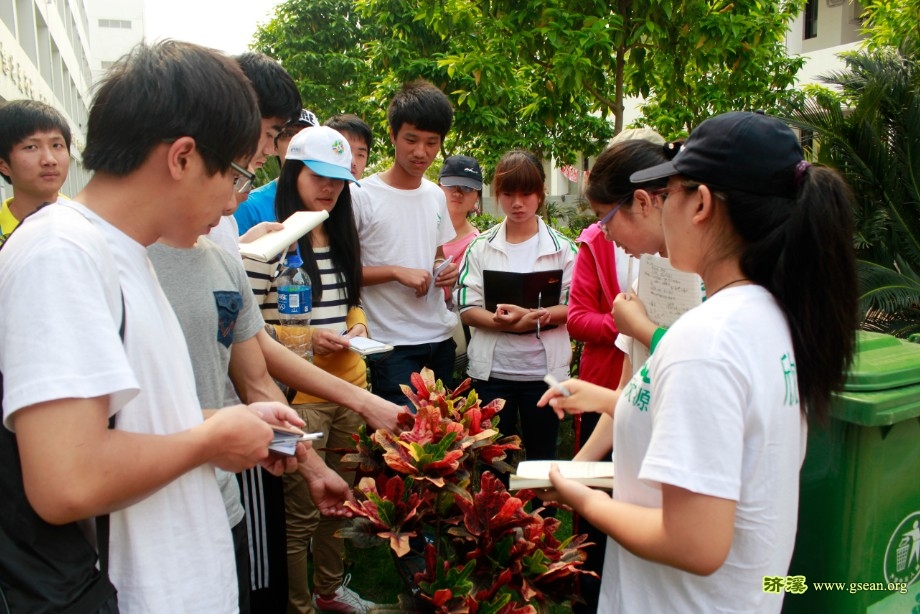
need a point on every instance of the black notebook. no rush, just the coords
(530, 290)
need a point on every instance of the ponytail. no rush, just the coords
(801, 250)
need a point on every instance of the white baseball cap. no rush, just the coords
(324, 151)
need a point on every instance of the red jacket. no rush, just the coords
(594, 286)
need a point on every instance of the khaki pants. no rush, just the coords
(304, 521)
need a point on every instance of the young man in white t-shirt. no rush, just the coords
(402, 222)
(163, 169)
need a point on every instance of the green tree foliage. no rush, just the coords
(887, 23)
(320, 43)
(550, 76)
(869, 129)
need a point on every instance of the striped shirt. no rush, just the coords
(328, 313)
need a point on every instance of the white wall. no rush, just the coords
(44, 56)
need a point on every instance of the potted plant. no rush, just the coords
(462, 542)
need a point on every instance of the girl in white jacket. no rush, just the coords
(513, 347)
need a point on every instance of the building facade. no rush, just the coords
(54, 50)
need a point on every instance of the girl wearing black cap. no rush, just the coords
(461, 181)
(709, 435)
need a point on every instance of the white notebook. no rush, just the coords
(268, 246)
(365, 346)
(535, 474)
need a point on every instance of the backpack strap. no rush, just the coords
(102, 522)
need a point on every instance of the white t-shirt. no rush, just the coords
(227, 235)
(715, 411)
(403, 228)
(172, 551)
(520, 357)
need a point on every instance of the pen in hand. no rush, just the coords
(539, 302)
(553, 383)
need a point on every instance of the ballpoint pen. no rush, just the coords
(539, 301)
(552, 382)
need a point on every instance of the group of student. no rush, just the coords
(141, 321)
(106, 368)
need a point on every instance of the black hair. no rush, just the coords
(275, 88)
(168, 90)
(344, 247)
(347, 122)
(20, 119)
(801, 250)
(608, 182)
(423, 105)
(520, 171)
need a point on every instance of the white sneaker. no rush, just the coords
(345, 600)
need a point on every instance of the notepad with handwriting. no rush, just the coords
(666, 293)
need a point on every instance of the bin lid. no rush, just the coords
(883, 385)
(882, 362)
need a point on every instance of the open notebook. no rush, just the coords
(535, 474)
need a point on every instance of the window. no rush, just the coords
(115, 23)
(811, 19)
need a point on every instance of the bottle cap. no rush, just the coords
(293, 261)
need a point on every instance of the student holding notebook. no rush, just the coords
(514, 346)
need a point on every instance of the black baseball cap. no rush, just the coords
(461, 170)
(749, 152)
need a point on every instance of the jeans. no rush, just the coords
(538, 427)
(390, 370)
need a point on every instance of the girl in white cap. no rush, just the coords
(710, 434)
(314, 178)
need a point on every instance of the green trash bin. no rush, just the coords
(858, 539)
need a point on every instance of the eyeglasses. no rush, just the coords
(287, 133)
(606, 219)
(463, 188)
(665, 192)
(242, 183)
(305, 119)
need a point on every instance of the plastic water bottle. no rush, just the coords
(295, 306)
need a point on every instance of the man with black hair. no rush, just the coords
(34, 158)
(359, 137)
(279, 99)
(279, 104)
(163, 168)
(403, 221)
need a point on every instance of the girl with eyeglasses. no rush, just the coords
(599, 270)
(709, 436)
(630, 216)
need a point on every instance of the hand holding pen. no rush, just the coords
(575, 397)
(539, 302)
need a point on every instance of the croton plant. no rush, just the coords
(462, 542)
